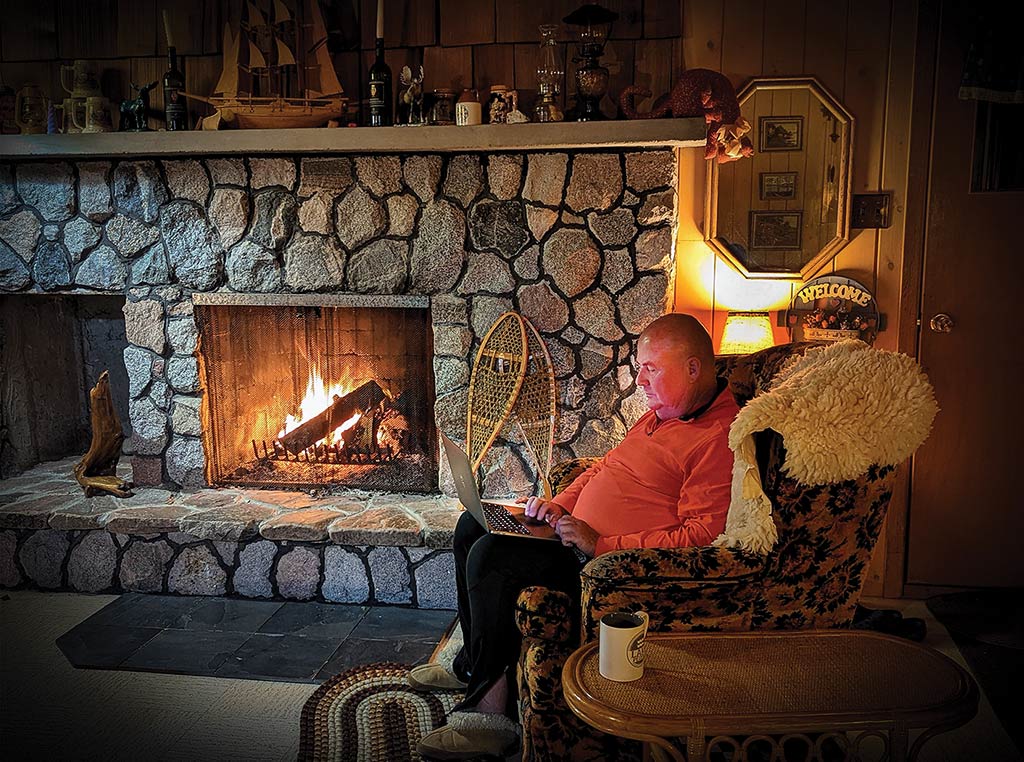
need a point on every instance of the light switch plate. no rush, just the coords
(871, 210)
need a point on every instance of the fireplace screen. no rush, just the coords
(299, 396)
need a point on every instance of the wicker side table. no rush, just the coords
(711, 687)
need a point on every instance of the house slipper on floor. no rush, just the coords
(434, 677)
(469, 735)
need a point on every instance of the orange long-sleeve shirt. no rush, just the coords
(666, 485)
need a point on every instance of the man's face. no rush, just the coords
(663, 376)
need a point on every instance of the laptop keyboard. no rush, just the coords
(499, 518)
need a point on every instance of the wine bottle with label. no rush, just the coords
(175, 111)
(381, 105)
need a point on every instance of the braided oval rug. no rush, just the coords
(370, 714)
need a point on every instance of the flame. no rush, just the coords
(320, 396)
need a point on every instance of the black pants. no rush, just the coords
(490, 570)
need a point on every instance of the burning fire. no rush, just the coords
(320, 396)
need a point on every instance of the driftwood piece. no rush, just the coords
(359, 400)
(96, 471)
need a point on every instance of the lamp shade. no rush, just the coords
(746, 332)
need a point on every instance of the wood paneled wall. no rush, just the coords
(460, 43)
(863, 52)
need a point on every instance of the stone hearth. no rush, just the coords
(355, 548)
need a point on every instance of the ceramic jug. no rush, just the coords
(30, 107)
(71, 110)
(97, 115)
(467, 110)
(83, 79)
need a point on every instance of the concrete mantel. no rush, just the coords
(652, 133)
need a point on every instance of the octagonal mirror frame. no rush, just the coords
(798, 210)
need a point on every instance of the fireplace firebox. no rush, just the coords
(299, 393)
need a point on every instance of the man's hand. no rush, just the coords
(542, 510)
(573, 531)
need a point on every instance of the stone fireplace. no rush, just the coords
(580, 242)
(244, 278)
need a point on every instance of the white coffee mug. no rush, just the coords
(621, 645)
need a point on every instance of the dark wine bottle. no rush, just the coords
(381, 105)
(175, 112)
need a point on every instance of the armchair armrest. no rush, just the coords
(544, 614)
(698, 588)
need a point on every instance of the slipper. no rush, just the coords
(469, 735)
(434, 677)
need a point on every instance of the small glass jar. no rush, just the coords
(442, 107)
(467, 110)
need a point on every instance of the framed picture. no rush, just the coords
(775, 230)
(781, 133)
(777, 186)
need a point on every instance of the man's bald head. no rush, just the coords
(684, 334)
(676, 366)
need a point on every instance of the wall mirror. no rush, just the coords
(784, 212)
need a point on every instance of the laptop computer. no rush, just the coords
(504, 517)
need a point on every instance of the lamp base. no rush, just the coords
(591, 86)
(546, 110)
(586, 110)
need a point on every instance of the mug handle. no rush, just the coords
(647, 620)
(18, 98)
(64, 68)
(74, 116)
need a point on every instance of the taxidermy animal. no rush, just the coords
(701, 92)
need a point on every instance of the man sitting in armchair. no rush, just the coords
(666, 485)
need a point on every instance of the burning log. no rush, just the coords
(361, 399)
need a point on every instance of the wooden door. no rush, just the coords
(966, 521)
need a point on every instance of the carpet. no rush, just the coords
(370, 713)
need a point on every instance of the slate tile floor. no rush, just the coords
(247, 639)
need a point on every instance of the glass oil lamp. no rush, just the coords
(593, 24)
(549, 76)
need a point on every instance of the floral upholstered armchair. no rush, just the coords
(811, 577)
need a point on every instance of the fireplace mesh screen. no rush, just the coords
(318, 396)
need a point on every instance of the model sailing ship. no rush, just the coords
(262, 70)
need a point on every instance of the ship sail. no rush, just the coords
(321, 79)
(256, 59)
(284, 54)
(227, 85)
(281, 12)
(255, 17)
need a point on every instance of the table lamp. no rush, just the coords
(746, 332)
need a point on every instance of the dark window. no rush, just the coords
(998, 158)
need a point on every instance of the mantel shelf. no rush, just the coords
(672, 133)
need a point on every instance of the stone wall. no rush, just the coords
(578, 242)
(97, 561)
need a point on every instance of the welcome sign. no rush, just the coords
(831, 308)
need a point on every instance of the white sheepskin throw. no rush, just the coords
(840, 409)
